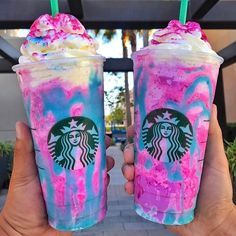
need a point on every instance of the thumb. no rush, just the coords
(24, 167)
(215, 154)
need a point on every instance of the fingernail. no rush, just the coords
(18, 131)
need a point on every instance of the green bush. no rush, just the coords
(6, 150)
(230, 151)
(108, 128)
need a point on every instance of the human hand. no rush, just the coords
(24, 212)
(215, 211)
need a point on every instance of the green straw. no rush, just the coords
(54, 7)
(183, 11)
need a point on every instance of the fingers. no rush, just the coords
(129, 154)
(24, 163)
(110, 163)
(128, 172)
(129, 187)
(128, 167)
(107, 141)
(108, 180)
(215, 154)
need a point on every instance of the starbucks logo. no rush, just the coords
(167, 134)
(73, 142)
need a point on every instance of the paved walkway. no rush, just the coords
(121, 219)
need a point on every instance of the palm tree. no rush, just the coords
(127, 36)
(107, 34)
(145, 34)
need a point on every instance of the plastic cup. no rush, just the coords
(174, 91)
(63, 100)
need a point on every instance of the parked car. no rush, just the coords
(118, 133)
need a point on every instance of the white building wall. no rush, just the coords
(220, 39)
(11, 106)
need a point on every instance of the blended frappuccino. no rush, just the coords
(175, 80)
(61, 79)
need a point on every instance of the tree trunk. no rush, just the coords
(127, 96)
(127, 102)
(145, 38)
(132, 39)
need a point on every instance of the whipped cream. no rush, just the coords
(62, 36)
(177, 36)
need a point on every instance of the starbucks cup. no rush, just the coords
(63, 100)
(174, 91)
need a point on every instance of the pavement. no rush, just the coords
(121, 219)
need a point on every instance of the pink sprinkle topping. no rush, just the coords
(175, 31)
(60, 23)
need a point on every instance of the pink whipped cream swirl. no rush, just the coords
(177, 36)
(57, 37)
(175, 32)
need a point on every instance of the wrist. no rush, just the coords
(228, 226)
(6, 229)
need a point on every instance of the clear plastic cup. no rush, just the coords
(174, 91)
(63, 100)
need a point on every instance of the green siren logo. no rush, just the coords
(73, 142)
(167, 134)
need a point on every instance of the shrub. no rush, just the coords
(6, 152)
(230, 151)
